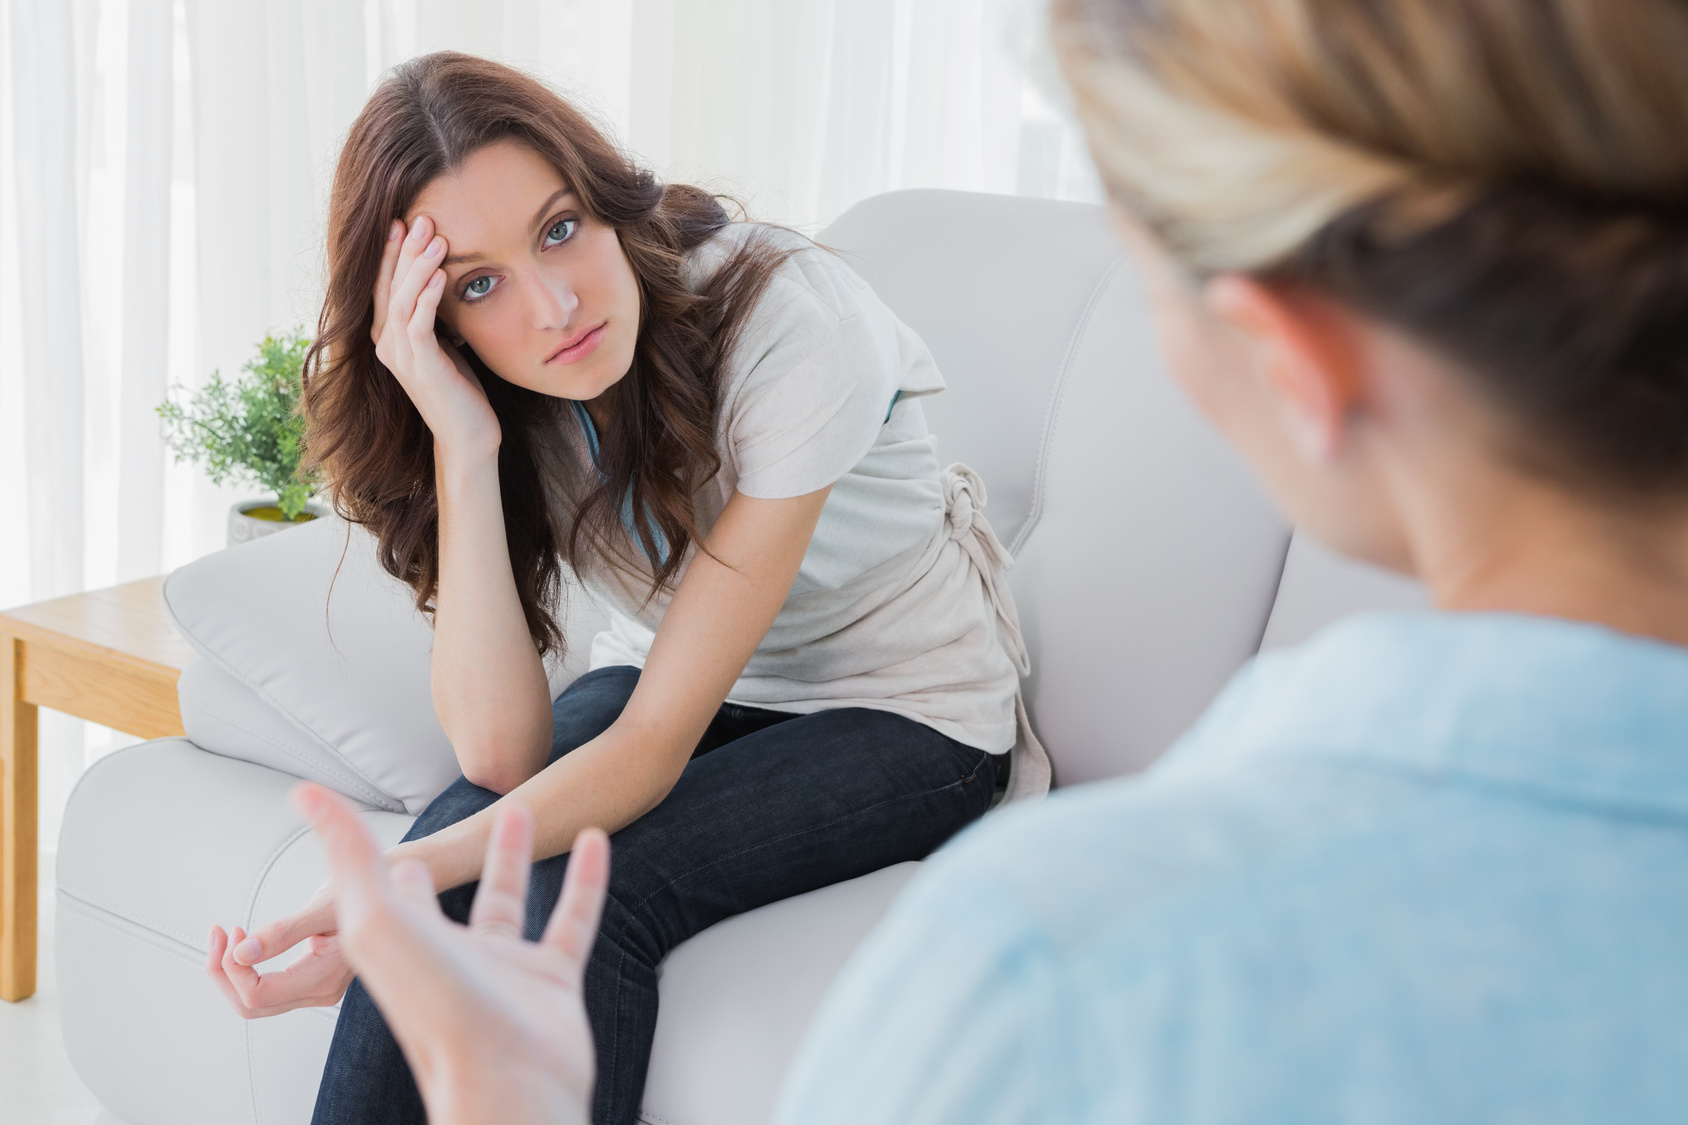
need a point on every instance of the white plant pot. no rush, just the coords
(244, 528)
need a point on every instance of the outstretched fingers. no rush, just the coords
(574, 924)
(501, 899)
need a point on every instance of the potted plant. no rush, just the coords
(249, 430)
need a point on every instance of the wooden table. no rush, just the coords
(111, 656)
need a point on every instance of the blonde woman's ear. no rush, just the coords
(1310, 361)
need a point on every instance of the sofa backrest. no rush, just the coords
(1148, 560)
(1147, 557)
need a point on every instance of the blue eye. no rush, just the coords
(479, 287)
(561, 231)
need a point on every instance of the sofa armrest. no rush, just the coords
(314, 661)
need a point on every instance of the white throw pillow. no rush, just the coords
(315, 662)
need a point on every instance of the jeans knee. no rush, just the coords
(589, 706)
(623, 932)
(460, 800)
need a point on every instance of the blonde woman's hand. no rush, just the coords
(408, 288)
(493, 1026)
(316, 980)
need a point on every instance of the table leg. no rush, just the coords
(18, 812)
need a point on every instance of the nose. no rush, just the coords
(551, 301)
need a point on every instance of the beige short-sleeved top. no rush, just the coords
(899, 603)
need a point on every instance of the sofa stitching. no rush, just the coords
(251, 1078)
(264, 869)
(107, 918)
(205, 650)
(143, 922)
(366, 788)
(251, 899)
(1052, 415)
(166, 943)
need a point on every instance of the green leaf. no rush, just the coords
(249, 431)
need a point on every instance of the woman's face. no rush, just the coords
(537, 287)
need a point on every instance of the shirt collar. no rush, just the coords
(1553, 705)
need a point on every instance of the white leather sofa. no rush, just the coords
(1150, 566)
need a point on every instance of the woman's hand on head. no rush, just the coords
(316, 980)
(408, 289)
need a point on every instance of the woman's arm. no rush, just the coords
(720, 613)
(717, 617)
(487, 680)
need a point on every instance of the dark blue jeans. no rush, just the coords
(771, 805)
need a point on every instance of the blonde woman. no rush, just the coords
(1425, 262)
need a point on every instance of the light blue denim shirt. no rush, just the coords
(1426, 868)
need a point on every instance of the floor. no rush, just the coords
(37, 1084)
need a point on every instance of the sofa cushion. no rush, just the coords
(316, 663)
(737, 998)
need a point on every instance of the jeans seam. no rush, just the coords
(811, 829)
(620, 975)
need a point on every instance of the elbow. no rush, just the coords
(492, 769)
(491, 779)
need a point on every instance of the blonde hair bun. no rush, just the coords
(1506, 179)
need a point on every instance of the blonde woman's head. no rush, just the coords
(1504, 182)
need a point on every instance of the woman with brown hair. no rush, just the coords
(533, 361)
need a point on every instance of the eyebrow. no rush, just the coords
(538, 217)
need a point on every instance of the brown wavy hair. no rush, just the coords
(366, 438)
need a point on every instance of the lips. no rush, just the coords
(579, 346)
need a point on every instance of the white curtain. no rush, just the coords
(164, 166)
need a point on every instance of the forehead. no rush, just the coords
(490, 198)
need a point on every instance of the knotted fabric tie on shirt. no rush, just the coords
(964, 502)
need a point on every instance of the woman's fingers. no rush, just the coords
(216, 951)
(421, 327)
(281, 935)
(501, 899)
(384, 276)
(312, 981)
(243, 978)
(574, 924)
(214, 961)
(416, 265)
(217, 967)
(403, 284)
